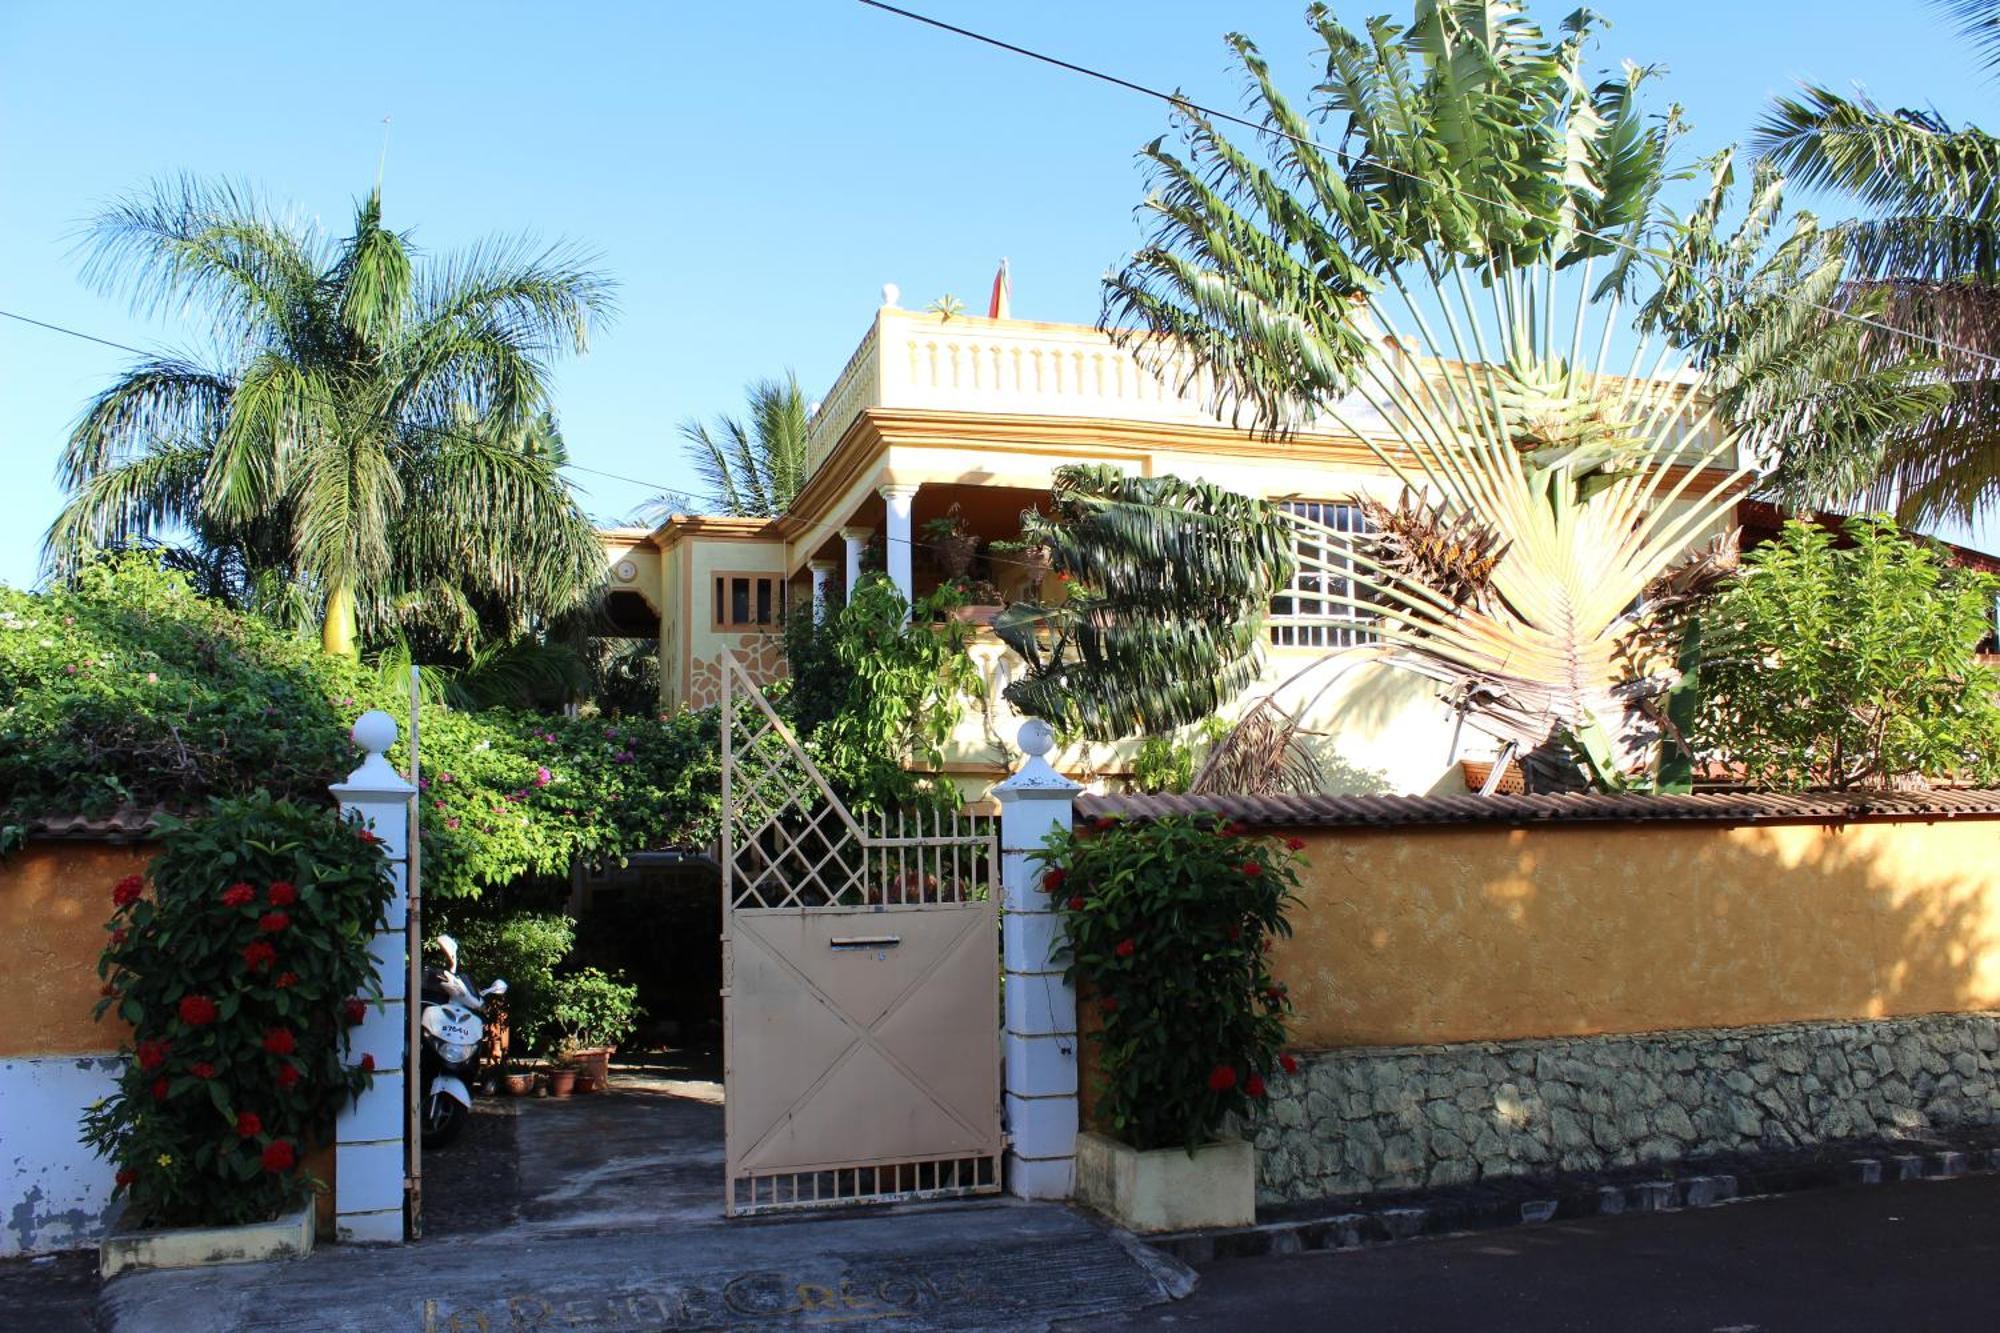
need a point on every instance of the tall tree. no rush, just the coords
(1926, 254)
(374, 424)
(749, 467)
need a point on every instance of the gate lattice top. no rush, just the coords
(788, 842)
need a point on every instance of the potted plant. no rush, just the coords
(592, 1011)
(1020, 564)
(241, 974)
(1167, 927)
(518, 1081)
(953, 545)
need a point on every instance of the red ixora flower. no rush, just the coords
(159, 1089)
(202, 1069)
(118, 938)
(273, 922)
(248, 1125)
(1295, 844)
(1254, 1085)
(278, 1156)
(279, 1041)
(368, 1061)
(1221, 1078)
(127, 890)
(286, 979)
(1288, 1064)
(1253, 868)
(238, 895)
(1109, 1004)
(258, 955)
(1232, 830)
(125, 1178)
(368, 835)
(354, 1010)
(1053, 880)
(1076, 903)
(281, 893)
(153, 1054)
(1126, 948)
(287, 1076)
(197, 1010)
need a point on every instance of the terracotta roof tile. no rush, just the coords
(129, 824)
(1703, 807)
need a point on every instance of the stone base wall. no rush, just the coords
(1366, 1119)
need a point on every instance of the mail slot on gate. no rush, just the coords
(865, 941)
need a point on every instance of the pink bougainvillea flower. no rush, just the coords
(282, 893)
(197, 1010)
(280, 1041)
(238, 895)
(1221, 1078)
(127, 890)
(543, 777)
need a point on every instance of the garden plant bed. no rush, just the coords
(286, 1236)
(1332, 1224)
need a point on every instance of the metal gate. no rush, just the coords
(860, 983)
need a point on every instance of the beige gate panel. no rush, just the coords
(861, 1013)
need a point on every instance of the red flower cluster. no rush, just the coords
(118, 938)
(202, 1069)
(159, 1089)
(273, 922)
(368, 836)
(1253, 868)
(278, 1156)
(258, 955)
(287, 1075)
(279, 1041)
(1295, 844)
(125, 1178)
(1076, 903)
(248, 1125)
(1110, 1004)
(153, 1054)
(197, 1010)
(127, 890)
(1126, 948)
(286, 979)
(282, 894)
(238, 895)
(368, 1061)
(1254, 1085)
(354, 1009)
(1221, 1078)
(1232, 830)
(1053, 880)
(1288, 1064)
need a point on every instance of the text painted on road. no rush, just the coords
(745, 1297)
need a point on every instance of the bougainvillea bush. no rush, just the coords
(238, 973)
(1169, 925)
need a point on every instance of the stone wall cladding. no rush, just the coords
(1366, 1119)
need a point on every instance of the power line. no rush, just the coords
(1351, 160)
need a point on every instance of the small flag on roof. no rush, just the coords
(1003, 295)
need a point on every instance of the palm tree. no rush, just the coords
(373, 426)
(749, 468)
(1927, 254)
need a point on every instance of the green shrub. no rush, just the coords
(237, 976)
(592, 1009)
(525, 948)
(1825, 666)
(1169, 924)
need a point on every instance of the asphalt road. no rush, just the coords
(1915, 1256)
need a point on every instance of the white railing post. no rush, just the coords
(368, 1152)
(1040, 1038)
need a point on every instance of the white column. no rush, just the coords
(1039, 1045)
(368, 1151)
(822, 572)
(898, 537)
(857, 541)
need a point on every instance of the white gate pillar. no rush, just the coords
(899, 537)
(368, 1152)
(1040, 1039)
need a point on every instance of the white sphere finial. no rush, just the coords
(374, 731)
(1037, 737)
(891, 294)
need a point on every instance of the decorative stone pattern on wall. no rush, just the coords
(1366, 1119)
(762, 655)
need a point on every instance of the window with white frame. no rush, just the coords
(1312, 611)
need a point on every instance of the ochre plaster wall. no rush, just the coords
(1420, 935)
(54, 900)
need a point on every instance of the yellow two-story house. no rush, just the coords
(931, 413)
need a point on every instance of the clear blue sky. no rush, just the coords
(751, 174)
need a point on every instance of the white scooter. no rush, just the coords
(449, 1060)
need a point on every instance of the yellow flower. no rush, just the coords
(165, 1159)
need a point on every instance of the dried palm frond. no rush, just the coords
(1263, 754)
(1453, 555)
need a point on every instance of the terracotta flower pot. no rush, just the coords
(594, 1061)
(588, 1082)
(562, 1082)
(519, 1085)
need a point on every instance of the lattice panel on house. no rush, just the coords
(1314, 610)
(861, 977)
